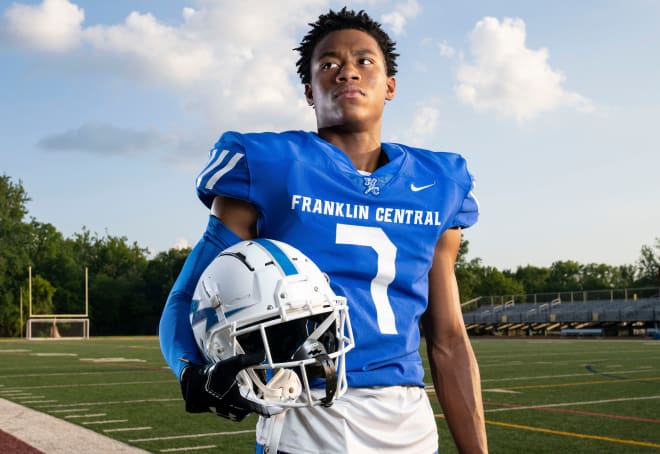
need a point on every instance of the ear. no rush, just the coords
(390, 88)
(308, 94)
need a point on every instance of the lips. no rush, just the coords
(348, 91)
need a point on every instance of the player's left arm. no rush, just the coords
(453, 364)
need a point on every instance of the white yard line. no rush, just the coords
(113, 402)
(545, 377)
(92, 385)
(570, 404)
(181, 437)
(127, 429)
(189, 448)
(69, 410)
(94, 415)
(107, 421)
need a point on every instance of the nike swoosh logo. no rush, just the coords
(414, 188)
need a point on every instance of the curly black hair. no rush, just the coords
(341, 20)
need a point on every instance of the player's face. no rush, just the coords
(349, 81)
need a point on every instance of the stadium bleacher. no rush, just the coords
(623, 316)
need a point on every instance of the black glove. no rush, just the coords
(213, 387)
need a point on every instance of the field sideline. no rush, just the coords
(541, 395)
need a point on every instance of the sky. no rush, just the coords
(108, 111)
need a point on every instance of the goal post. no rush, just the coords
(57, 326)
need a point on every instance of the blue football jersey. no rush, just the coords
(374, 235)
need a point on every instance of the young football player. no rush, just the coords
(383, 221)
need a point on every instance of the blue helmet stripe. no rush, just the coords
(278, 254)
(207, 314)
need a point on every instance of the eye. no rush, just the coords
(328, 65)
(365, 61)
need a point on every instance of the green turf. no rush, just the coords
(585, 395)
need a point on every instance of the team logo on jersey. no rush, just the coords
(371, 186)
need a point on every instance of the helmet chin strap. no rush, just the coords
(330, 379)
(323, 367)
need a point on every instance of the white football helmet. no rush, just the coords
(266, 296)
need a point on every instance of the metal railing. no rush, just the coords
(626, 294)
(629, 305)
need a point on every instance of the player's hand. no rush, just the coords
(214, 388)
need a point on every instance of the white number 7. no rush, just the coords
(375, 238)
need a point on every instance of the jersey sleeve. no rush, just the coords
(226, 172)
(469, 211)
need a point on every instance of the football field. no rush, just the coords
(541, 395)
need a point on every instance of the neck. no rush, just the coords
(362, 148)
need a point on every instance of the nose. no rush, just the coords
(347, 71)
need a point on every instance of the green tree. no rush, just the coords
(533, 278)
(492, 281)
(116, 290)
(42, 295)
(467, 276)
(626, 276)
(15, 238)
(564, 276)
(160, 274)
(648, 266)
(475, 279)
(465, 272)
(598, 276)
(53, 258)
(463, 250)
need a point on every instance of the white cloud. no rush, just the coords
(397, 19)
(182, 243)
(52, 26)
(230, 62)
(252, 79)
(422, 127)
(173, 54)
(424, 124)
(446, 50)
(510, 79)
